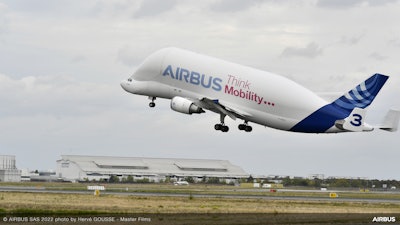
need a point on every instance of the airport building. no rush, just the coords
(77, 168)
(8, 169)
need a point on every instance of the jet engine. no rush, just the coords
(184, 105)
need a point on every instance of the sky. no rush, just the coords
(61, 63)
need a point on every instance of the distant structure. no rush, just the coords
(316, 176)
(38, 176)
(77, 168)
(8, 170)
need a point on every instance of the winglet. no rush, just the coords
(391, 121)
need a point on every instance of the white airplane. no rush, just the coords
(196, 82)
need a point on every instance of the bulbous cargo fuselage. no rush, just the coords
(253, 95)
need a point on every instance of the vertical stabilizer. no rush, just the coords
(338, 112)
(362, 95)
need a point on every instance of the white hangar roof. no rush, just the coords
(154, 166)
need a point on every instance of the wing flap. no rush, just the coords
(216, 106)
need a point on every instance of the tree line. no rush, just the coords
(340, 183)
(287, 182)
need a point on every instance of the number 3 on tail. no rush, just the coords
(357, 120)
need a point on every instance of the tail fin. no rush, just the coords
(391, 121)
(354, 122)
(362, 95)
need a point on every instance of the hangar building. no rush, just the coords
(76, 168)
(8, 169)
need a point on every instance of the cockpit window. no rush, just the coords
(130, 79)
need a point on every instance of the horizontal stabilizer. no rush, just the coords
(391, 121)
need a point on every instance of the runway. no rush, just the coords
(194, 195)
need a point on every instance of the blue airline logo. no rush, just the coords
(193, 77)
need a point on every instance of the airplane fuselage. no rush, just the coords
(256, 96)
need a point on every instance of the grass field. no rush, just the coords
(13, 202)
(188, 209)
(79, 203)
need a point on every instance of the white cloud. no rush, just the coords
(233, 5)
(345, 4)
(150, 8)
(312, 50)
(57, 96)
(377, 56)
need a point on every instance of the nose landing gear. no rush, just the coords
(152, 104)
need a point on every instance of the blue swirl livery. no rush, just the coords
(362, 95)
(359, 97)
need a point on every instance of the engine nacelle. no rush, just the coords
(184, 105)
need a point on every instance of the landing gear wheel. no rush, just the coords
(221, 127)
(225, 129)
(248, 129)
(245, 127)
(218, 126)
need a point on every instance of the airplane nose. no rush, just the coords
(124, 85)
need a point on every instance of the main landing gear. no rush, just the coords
(152, 104)
(221, 126)
(245, 127)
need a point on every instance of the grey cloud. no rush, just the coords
(233, 5)
(129, 56)
(53, 95)
(343, 4)
(394, 42)
(35, 6)
(3, 17)
(114, 8)
(312, 50)
(377, 56)
(150, 8)
(46, 7)
(380, 2)
(71, 9)
(78, 59)
(337, 4)
(351, 40)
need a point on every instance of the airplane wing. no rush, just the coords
(217, 107)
